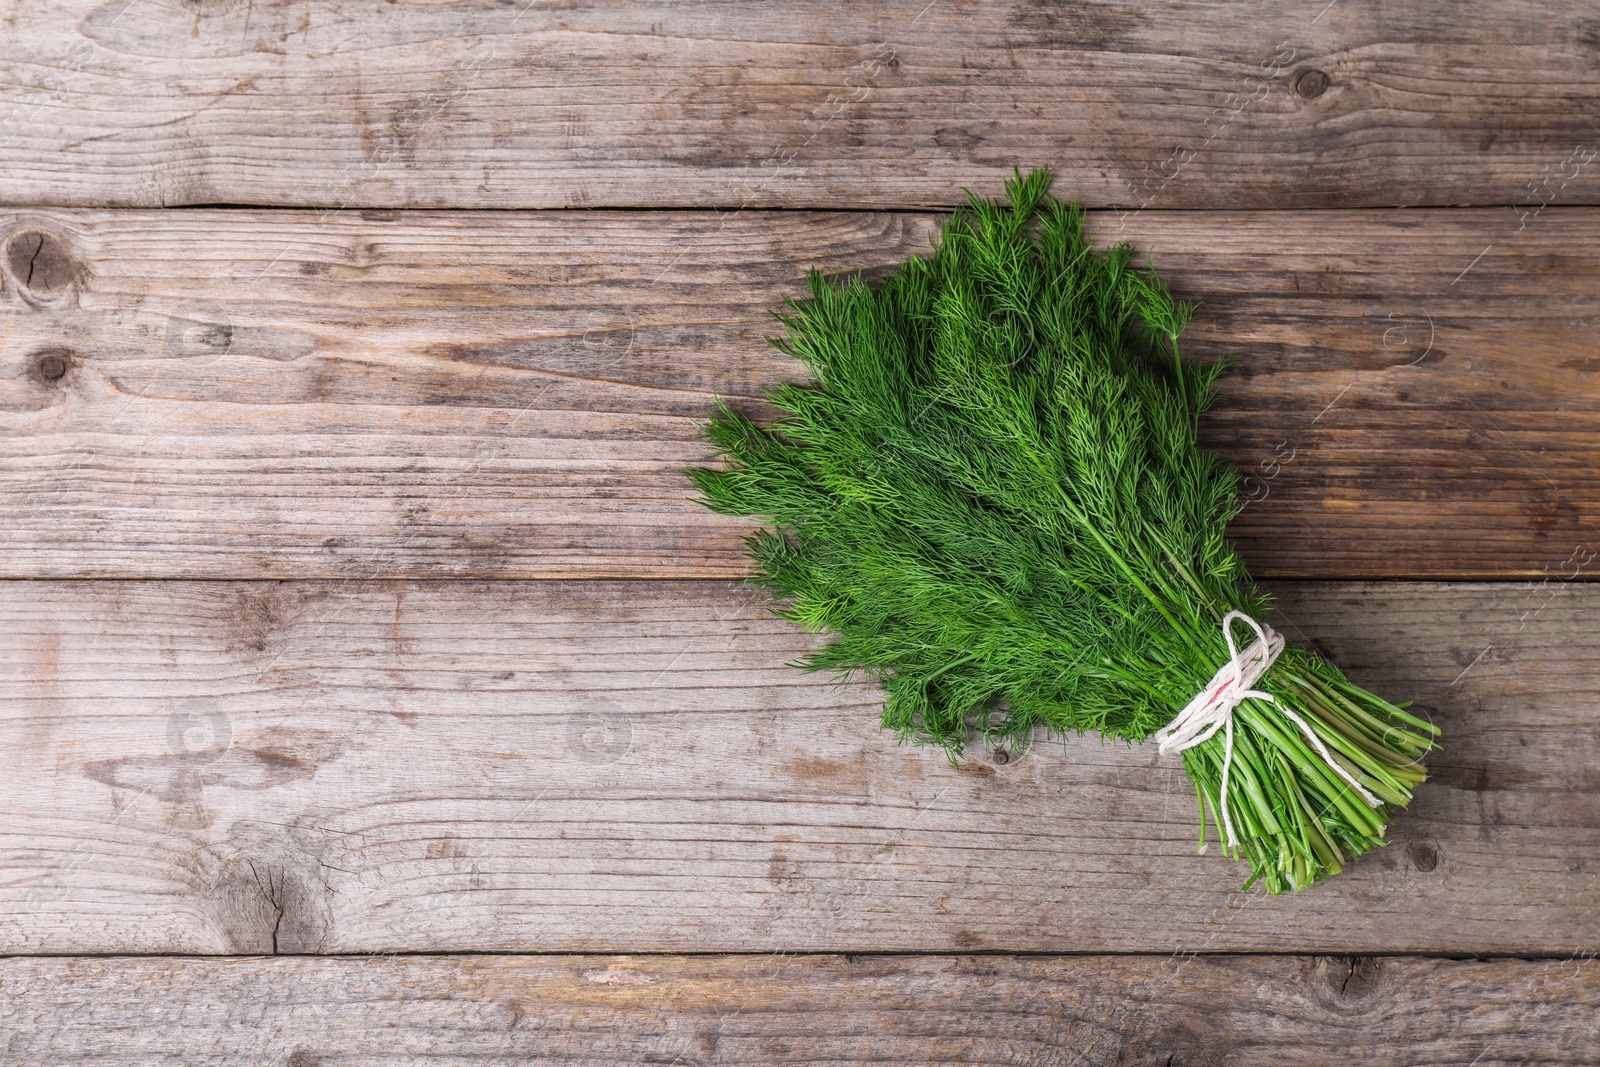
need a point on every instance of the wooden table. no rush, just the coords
(375, 692)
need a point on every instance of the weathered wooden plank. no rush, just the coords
(1087, 1010)
(280, 394)
(804, 104)
(361, 767)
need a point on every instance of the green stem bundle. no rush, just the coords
(991, 497)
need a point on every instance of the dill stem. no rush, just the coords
(991, 495)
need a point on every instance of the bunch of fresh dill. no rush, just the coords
(991, 496)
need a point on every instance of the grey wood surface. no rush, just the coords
(1091, 1011)
(402, 397)
(815, 103)
(205, 767)
(241, 394)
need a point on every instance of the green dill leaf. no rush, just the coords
(989, 496)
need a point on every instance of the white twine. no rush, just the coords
(1212, 709)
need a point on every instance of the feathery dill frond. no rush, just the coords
(991, 497)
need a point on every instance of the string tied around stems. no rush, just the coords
(1212, 710)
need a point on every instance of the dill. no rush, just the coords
(990, 496)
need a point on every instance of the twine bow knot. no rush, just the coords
(1212, 710)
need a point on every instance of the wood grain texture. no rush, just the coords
(816, 103)
(1093, 1011)
(203, 767)
(241, 394)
